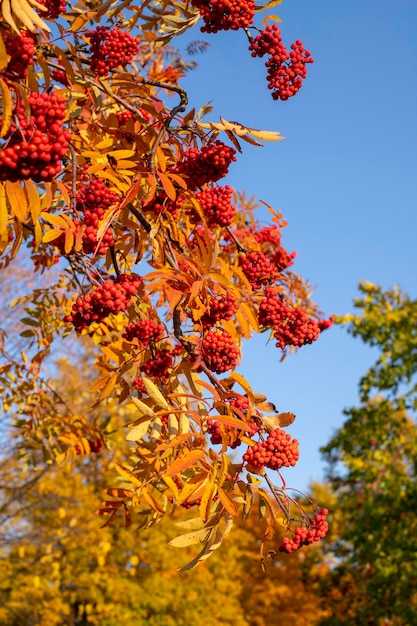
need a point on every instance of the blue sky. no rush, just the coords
(344, 178)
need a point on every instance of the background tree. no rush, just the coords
(59, 568)
(372, 463)
(114, 191)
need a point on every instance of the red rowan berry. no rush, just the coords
(285, 70)
(159, 364)
(111, 48)
(219, 351)
(21, 49)
(146, 332)
(216, 206)
(258, 269)
(219, 308)
(54, 8)
(225, 14)
(207, 165)
(113, 296)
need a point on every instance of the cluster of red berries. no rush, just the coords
(37, 143)
(146, 332)
(111, 48)
(292, 326)
(219, 352)
(206, 165)
(54, 8)
(258, 269)
(283, 259)
(268, 234)
(124, 116)
(21, 49)
(304, 536)
(93, 200)
(286, 70)
(113, 296)
(219, 308)
(278, 450)
(60, 76)
(225, 14)
(216, 206)
(159, 364)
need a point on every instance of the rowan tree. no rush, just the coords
(119, 195)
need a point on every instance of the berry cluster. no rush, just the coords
(146, 332)
(54, 8)
(36, 143)
(60, 76)
(277, 451)
(225, 14)
(207, 165)
(111, 48)
(21, 49)
(268, 234)
(219, 308)
(304, 536)
(286, 70)
(113, 296)
(93, 200)
(216, 206)
(159, 364)
(219, 352)
(258, 269)
(124, 116)
(292, 326)
(283, 259)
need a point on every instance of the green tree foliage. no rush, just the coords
(372, 469)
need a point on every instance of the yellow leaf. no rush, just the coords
(3, 210)
(121, 154)
(186, 460)
(241, 380)
(143, 408)
(33, 199)
(154, 393)
(128, 475)
(51, 235)
(7, 108)
(207, 498)
(137, 432)
(151, 500)
(23, 10)
(17, 199)
(4, 57)
(227, 502)
(55, 220)
(197, 536)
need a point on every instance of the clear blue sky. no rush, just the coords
(345, 178)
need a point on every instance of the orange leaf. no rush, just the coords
(168, 186)
(228, 503)
(184, 462)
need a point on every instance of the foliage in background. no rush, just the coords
(372, 469)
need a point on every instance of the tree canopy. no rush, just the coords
(111, 188)
(372, 463)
